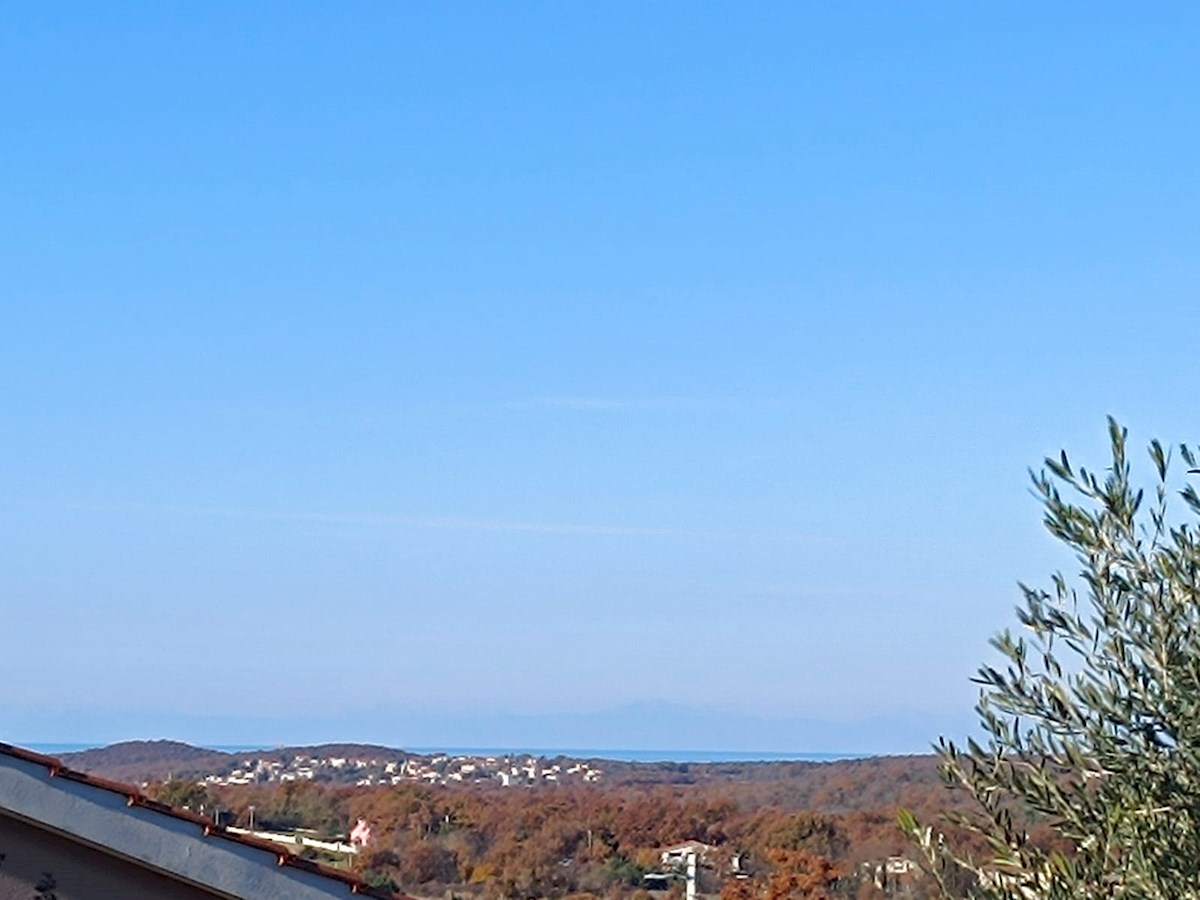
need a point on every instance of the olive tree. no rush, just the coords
(1092, 718)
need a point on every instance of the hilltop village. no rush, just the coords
(441, 769)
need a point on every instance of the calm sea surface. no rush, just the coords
(673, 756)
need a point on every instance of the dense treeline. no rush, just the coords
(823, 830)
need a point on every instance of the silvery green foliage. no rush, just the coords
(1093, 718)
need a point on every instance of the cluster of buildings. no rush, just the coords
(508, 771)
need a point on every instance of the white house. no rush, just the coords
(676, 856)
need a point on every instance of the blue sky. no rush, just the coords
(625, 373)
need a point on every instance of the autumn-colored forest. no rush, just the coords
(810, 830)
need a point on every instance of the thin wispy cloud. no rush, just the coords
(584, 403)
(459, 523)
(565, 528)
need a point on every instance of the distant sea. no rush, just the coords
(646, 756)
(643, 756)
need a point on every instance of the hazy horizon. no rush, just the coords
(664, 728)
(614, 754)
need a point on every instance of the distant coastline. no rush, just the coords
(644, 756)
(616, 755)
